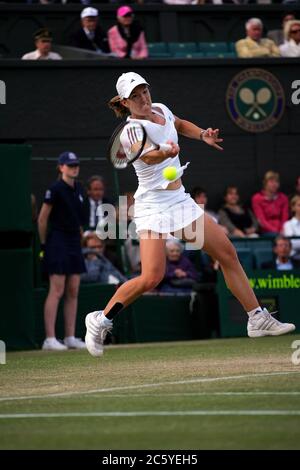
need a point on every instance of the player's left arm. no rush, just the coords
(188, 129)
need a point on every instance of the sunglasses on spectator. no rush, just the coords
(294, 31)
(128, 15)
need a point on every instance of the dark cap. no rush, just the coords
(68, 158)
(43, 33)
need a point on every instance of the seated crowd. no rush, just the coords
(127, 38)
(271, 215)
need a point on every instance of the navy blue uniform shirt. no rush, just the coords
(67, 213)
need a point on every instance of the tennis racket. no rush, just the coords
(136, 142)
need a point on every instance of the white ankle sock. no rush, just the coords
(255, 310)
(106, 320)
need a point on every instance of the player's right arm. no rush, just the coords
(157, 156)
(152, 154)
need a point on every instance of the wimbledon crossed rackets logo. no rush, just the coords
(262, 97)
(255, 100)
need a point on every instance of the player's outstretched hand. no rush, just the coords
(211, 137)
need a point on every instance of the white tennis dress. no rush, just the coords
(157, 208)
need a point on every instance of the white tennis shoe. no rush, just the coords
(74, 343)
(51, 344)
(263, 324)
(97, 327)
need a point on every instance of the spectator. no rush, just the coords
(277, 35)
(254, 45)
(290, 2)
(238, 220)
(98, 267)
(270, 207)
(291, 47)
(132, 244)
(90, 36)
(94, 200)
(127, 38)
(238, 2)
(200, 197)
(43, 43)
(180, 273)
(63, 258)
(282, 256)
(291, 228)
(184, 2)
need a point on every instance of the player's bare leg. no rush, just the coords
(153, 263)
(219, 247)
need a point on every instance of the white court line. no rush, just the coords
(200, 394)
(122, 414)
(149, 385)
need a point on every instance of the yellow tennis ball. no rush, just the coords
(170, 172)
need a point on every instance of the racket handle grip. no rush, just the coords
(165, 147)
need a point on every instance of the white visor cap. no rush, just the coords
(128, 82)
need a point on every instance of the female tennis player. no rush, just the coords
(163, 207)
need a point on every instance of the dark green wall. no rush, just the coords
(60, 106)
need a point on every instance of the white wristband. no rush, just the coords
(165, 147)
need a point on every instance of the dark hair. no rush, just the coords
(228, 188)
(118, 108)
(281, 237)
(94, 178)
(288, 13)
(197, 191)
(59, 176)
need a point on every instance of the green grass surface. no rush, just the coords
(217, 394)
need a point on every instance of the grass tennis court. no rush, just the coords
(216, 394)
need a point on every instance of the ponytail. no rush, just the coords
(118, 108)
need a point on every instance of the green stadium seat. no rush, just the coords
(158, 49)
(231, 47)
(239, 243)
(182, 48)
(221, 55)
(262, 256)
(208, 47)
(189, 55)
(260, 243)
(246, 257)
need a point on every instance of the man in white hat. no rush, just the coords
(90, 36)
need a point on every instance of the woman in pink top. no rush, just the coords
(127, 38)
(270, 207)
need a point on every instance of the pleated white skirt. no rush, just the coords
(165, 211)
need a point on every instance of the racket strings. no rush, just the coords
(126, 144)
